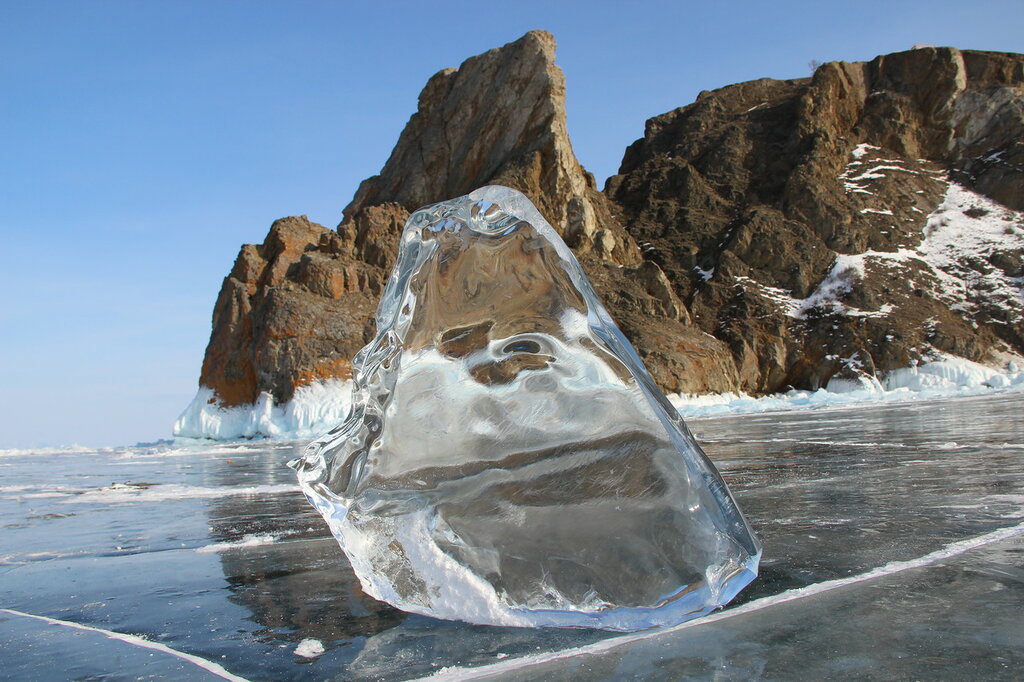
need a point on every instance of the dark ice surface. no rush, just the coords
(210, 550)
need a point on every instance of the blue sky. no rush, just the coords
(144, 142)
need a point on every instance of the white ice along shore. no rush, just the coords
(314, 410)
(317, 408)
(951, 238)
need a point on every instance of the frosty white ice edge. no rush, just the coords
(951, 239)
(507, 459)
(313, 409)
(318, 406)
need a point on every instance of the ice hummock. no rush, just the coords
(507, 459)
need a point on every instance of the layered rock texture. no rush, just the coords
(851, 223)
(771, 234)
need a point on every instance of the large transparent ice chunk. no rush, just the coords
(508, 459)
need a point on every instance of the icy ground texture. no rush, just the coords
(507, 459)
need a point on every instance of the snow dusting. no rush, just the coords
(862, 149)
(252, 540)
(855, 173)
(704, 274)
(846, 271)
(963, 238)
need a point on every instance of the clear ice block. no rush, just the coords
(507, 459)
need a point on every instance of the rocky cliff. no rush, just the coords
(852, 223)
(771, 234)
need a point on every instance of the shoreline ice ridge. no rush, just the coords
(319, 407)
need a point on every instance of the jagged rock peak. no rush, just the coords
(854, 222)
(296, 308)
(471, 128)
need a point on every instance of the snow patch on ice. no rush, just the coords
(860, 383)
(51, 451)
(947, 376)
(949, 373)
(314, 409)
(121, 493)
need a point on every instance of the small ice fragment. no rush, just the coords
(309, 648)
(251, 540)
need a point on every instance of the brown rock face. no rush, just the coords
(755, 198)
(771, 234)
(293, 310)
(298, 307)
(499, 119)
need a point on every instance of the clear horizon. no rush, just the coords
(144, 143)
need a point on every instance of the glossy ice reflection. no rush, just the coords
(219, 555)
(508, 460)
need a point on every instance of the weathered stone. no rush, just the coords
(748, 197)
(499, 119)
(712, 245)
(292, 311)
(299, 306)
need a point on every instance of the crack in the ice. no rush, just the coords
(136, 640)
(951, 550)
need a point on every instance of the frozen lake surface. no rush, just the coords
(893, 548)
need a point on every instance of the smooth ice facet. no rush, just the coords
(508, 459)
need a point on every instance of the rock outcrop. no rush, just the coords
(840, 224)
(293, 310)
(499, 119)
(296, 308)
(771, 234)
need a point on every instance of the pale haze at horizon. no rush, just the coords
(143, 143)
